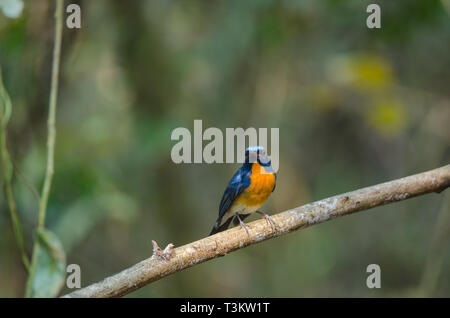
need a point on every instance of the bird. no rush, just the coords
(247, 191)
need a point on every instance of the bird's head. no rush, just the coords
(257, 153)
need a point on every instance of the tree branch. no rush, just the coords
(161, 265)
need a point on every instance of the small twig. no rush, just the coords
(233, 239)
(165, 254)
(51, 121)
(52, 115)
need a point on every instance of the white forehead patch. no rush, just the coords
(256, 148)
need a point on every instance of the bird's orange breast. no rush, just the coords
(261, 186)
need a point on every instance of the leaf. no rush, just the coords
(50, 272)
(387, 116)
(364, 72)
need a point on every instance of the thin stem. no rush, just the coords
(7, 174)
(52, 115)
(51, 123)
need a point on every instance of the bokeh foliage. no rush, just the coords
(354, 106)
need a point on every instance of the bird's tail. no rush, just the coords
(219, 228)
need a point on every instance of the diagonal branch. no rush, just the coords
(160, 265)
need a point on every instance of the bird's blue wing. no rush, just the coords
(239, 182)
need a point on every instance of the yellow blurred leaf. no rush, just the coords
(387, 116)
(365, 72)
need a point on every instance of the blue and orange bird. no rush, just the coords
(247, 191)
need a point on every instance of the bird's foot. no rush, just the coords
(242, 224)
(268, 219)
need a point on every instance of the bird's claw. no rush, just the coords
(242, 224)
(268, 220)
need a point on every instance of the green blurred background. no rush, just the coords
(355, 107)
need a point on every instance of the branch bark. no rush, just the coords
(160, 265)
